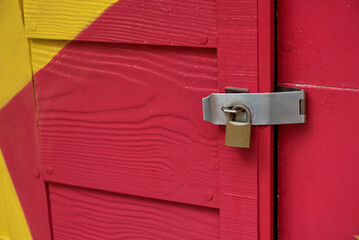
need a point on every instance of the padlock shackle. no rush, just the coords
(235, 109)
(246, 109)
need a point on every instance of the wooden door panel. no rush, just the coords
(245, 60)
(128, 119)
(170, 22)
(81, 214)
(121, 121)
(318, 161)
(318, 42)
(318, 168)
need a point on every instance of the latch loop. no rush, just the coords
(283, 107)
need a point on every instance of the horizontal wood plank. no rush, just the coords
(81, 214)
(128, 119)
(42, 51)
(173, 23)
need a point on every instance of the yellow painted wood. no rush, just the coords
(14, 51)
(4, 221)
(42, 51)
(13, 223)
(63, 20)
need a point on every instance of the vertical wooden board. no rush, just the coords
(4, 219)
(172, 23)
(19, 144)
(318, 168)
(128, 119)
(13, 224)
(238, 67)
(14, 55)
(316, 35)
(79, 214)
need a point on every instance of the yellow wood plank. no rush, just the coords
(14, 51)
(42, 51)
(61, 19)
(4, 221)
(13, 223)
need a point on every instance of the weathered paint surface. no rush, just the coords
(318, 161)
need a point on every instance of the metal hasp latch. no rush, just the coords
(283, 107)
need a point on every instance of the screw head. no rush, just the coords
(36, 174)
(49, 171)
(208, 195)
(203, 39)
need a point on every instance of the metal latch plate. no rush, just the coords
(266, 108)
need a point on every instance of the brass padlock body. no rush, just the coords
(238, 134)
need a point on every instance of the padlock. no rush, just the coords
(238, 133)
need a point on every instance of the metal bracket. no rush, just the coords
(283, 107)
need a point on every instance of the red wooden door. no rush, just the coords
(318, 161)
(124, 148)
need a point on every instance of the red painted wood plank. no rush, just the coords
(173, 23)
(128, 119)
(266, 50)
(238, 67)
(19, 144)
(317, 35)
(89, 214)
(318, 168)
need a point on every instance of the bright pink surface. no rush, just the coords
(19, 144)
(318, 42)
(161, 22)
(238, 168)
(318, 168)
(128, 119)
(318, 161)
(90, 214)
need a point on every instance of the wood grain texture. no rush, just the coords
(173, 23)
(61, 20)
(318, 168)
(128, 119)
(42, 51)
(14, 55)
(19, 143)
(80, 214)
(238, 67)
